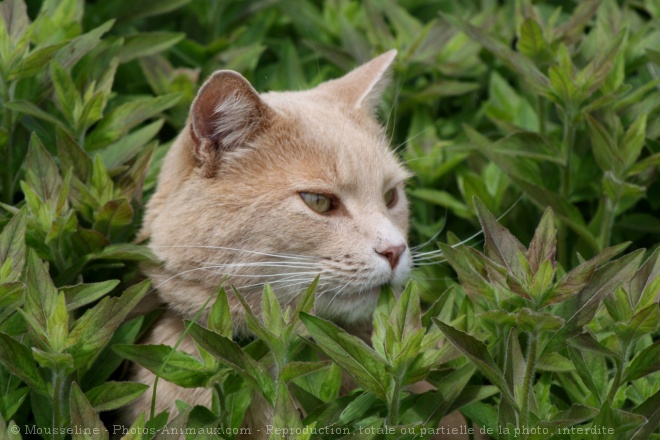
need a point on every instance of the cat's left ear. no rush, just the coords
(363, 86)
(225, 115)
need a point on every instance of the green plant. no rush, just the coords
(588, 330)
(555, 107)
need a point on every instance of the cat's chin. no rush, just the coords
(350, 308)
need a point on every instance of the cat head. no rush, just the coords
(279, 188)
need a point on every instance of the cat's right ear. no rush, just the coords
(226, 113)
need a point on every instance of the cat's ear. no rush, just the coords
(225, 114)
(363, 86)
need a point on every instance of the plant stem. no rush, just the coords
(609, 212)
(569, 139)
(58, 398)
(616, 383)
(529, 379)
(7, 179)
(393, 410)
(541, 114)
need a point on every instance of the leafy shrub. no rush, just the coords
(522, 105)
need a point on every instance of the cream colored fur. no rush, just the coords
(228, 204)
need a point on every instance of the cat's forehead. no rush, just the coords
(340, 144)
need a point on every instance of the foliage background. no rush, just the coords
(522, 104)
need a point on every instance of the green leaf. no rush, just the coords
(144, 44)
(471, 270)
(84, 417)
(442, 198)
(294, 369)
(113, 395)
(591, 369)
(592, 77)
(478, 353)
(53, 361)
(644, 287)
(544, 244)
(306, 301)
(501, 246)
(605, 150)
(135, 10)
(108, 361)
(231, 354)
(587, 342)
(580, 309)
(57, 324)
(256, 326)
(135, 430)
(271, 311)
(623, 193)
(83, 294)
(534, 322)
(41, 295)
(181, 368)
(575, 415)
(351, 353)
(129, 146)
(531, 42)
(643, 322)
(10, 402)
(285, 414)
(34, 62)
(120, 120)
(71, 156)
(112, 216)
(92, 331)
(15, 18)
(530, 145)
(513, 60)
(201, 424)
(12, 245)
(29, 108)
(633, 141)
(67, 97)
(574, 281)
(554, 362)
(650, 409)
(431, 407)
(357, 408)
(70, 54)
(125, 251)
(42, 174)
(11, 298)
(17, 358)
(174, 427)
(644, 363)
(566, 211)
(406, 314)
(624, 421)
(220, 320)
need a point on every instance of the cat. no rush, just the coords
(277, 188)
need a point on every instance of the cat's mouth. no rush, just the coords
(354, 306)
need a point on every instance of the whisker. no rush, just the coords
(427, 242)
(285, 264)
(296, 257)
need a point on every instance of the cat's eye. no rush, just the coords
(390, 197)
(317, 202)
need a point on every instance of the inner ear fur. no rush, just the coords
(226, 114)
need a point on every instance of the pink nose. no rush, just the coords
(393, 253)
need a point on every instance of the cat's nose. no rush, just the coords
(392, 254)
